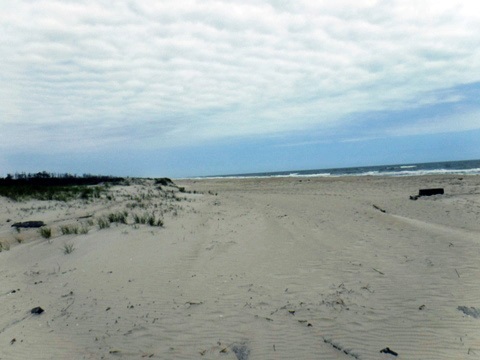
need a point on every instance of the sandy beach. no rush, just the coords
(274, 268)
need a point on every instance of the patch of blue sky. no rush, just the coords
(440, 105)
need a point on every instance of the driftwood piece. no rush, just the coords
(340, 348)
(379, 208)
(387, 350)
(29, 224)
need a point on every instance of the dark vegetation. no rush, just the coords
(164, 182)
(48, 186)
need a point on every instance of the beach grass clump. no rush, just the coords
(103, 222)
(83, 230)
(69, 229)
(87, 192)
(151, 220)
(68, 248)
(45, 232)
(147, 219)
(136, 204)
(140, 219)
(4, 246)
(118, 217)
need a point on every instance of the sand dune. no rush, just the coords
(249, 269)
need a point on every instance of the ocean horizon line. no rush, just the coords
(457, 167)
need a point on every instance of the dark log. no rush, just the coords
(29, 224)
(430, 192)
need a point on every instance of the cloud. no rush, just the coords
(463, 121)
(90, 74)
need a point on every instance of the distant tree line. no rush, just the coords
(52, 179)
(49, 186)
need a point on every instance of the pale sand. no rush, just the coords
(266, 269)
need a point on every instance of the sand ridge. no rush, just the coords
(251, 269)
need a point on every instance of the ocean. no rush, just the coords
(467, 167)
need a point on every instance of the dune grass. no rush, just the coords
(83, 229)
(4, 246)
(147, 219)
(45, 232)
(69, 229)
(118, 217)
(103, 222)
(68, 248)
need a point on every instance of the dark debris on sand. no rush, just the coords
(470, 311)
(241, 351)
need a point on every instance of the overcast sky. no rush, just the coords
(184, 88)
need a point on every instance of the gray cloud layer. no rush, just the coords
(82, 74)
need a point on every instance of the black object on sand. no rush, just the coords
(387, 350)
(428, 192)
(37, 310)
(29, 224)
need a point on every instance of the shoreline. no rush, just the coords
(462, 167)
